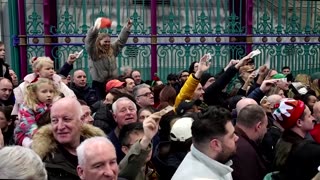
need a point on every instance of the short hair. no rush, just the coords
(148, 108)
(17, 162)
(75, 104)
(82, 102)
(114, 104)
(136, 89)
(210, 124)
(81, 149)
(6, 110)
(5, 79)
(285, 67)
(180, 74)
(250, 115)
(38, 62)
(128, 129)
(128, 78)
(134, 70)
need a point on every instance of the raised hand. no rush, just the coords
(204, 63)
(129, 24)
(244, 61)
(267, 84)
(231, 63)
(150, 128)
(72, 58)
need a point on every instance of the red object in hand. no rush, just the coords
(315, 133)
(105, 23)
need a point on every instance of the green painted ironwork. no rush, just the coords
(13, 30)
(187, 29)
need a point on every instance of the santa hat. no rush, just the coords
(288, 112)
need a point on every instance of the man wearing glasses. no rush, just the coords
(143, 96)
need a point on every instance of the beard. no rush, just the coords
(225, 155)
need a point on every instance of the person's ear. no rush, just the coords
(299, 122)
(216, 145)
(125, 149)
(258, 125)
(114, 117)
(80, 172)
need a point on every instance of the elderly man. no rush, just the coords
(56, 143)
(18, 162)
(97, 159)
(214, 143)
(5, 91)
(81, 89)
(136, 75)
(143, 95)
(251, 126)
(124, 112)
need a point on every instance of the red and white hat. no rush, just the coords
(288, 112)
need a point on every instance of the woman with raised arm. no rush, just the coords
(102, 63)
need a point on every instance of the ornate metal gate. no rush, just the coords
(167, 35)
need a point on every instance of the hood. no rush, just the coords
(44, 142)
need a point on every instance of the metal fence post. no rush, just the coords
(154, 65)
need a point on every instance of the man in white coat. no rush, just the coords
(214, 143)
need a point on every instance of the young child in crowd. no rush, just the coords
(33, 112)
(42, 67)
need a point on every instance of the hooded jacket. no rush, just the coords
(57, 165)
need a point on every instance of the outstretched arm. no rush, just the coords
(122, 38)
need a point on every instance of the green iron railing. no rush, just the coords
(286, 31)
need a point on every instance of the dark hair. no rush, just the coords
(147, 109)
(285, 67)
(1, 43)
(210, 124)
(118, 94)
(250, 115)
(82, 102)
(168, 94)
(124, 79)
(6, 110)
(191, 67)
(172, 77)
(183, 72)
(156, 92)
(305, 98)
(127, 130)
(134, 71)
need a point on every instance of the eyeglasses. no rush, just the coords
(146, 94)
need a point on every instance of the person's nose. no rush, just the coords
(236, 138)
(108, 171)
(60, 125)
(90, 119)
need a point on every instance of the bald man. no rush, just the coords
(5, 91)
(243, 103)
(56, 143)
(100, 152)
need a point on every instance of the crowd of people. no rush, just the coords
(245, 122)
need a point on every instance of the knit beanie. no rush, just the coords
(288, 112)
